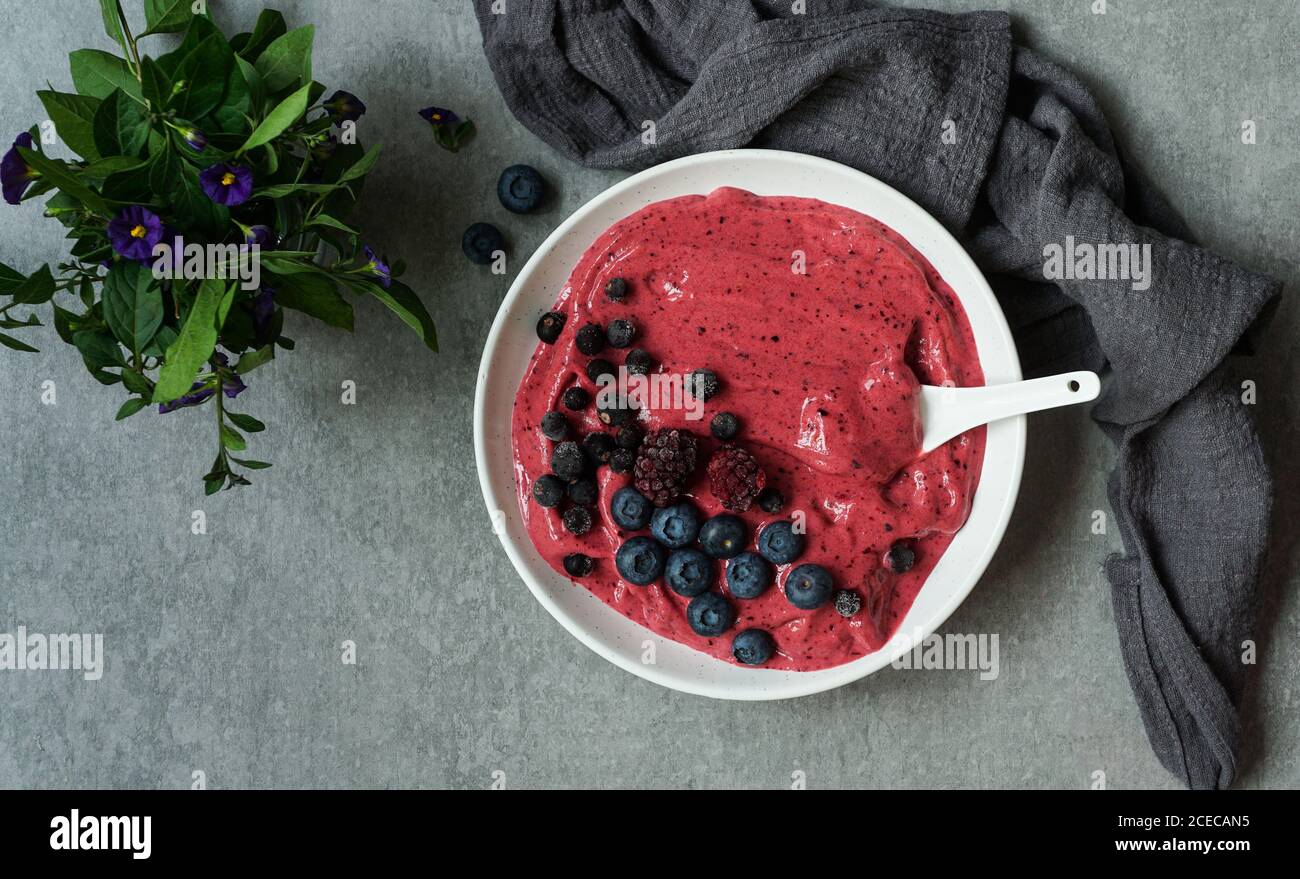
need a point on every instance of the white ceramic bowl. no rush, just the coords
(513, 338)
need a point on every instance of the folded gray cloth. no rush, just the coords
(1012, 154)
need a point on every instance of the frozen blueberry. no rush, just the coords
(577, 520)
(598, 446)
(689, 572)
(579, 565)
(599, 368)
(616, 289)
(723, 537)
(548, 490)
(847, 602)
(590, 339)
(640, 560)
(629, 438)
(620, 333)
(638, 362)
(779, 543)
(724, 425)
(575, 398)
(622, 461)
(568, 461)
(753, 647)
(620, 413)
(901, 557)
(480, 241)
(748, 575)
(583, 491)
(770, 500)
(710, 614)
(676, 526)
(703, 384)
(521, 189)
(555, 427)
(630, 509)
(809, 587)
(549, 326)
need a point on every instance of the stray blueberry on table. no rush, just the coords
(568, 461)
(724, 425)
(521, 189)
(622, 461)
(577, 520)
(575, 398)
(753, 647)
(638, 362)
(676, 526)
(703, 384)
(583, 491)
(555, 427)
(779, 543)
(630, 509)
(689, 572)
(770, 500)
(901, 557)
(748, 575)
(847, 603)
(590, 339)
(616, 289)
(723, 536)
(809, 587)
(548, 491)
(549, 326)
(480, 241)
(640, 560)
(579, 565)
(710, 614)
(620, 333)
(599, 368)
(628, 437)
(598, 446)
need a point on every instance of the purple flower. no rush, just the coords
(378, 268)
(134, 232)
(194, 139)
(226, 184)
(15, 174)
(438, 117)
(344, 107)
(259, 235)
(199, 393)
(232, 385)
(263, 309)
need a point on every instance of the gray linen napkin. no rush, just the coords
(1028, 160)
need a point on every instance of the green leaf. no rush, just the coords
(112, 24)
(132, 304)
(204, 72)
(250, 464)
(166, 16)
(16, 345)
(99, 349)
(362, 166)
(287, 60)
(105, 168)
(194, 345)
(327, 220)
(137, 383)
(73, 117)
(403, 302)
(121, 126)
(270, 26)
(246, 422)
(96, 74)
(313, 294)
(253, 359)
(231, 439)
(283, 189)
(37, 289)
(156, 85)
(10, 279)
(130, 407)
(289, 111)
(62, 176)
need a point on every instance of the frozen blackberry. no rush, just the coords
(616, 289)
(576, 398)
(599, 368)
(548, 491)
(735, 478)
(628, 437)
(555, 427)
(901, 557)
(583, 491)
(724, 426)
(665, 460)
(703, 384)
(568, 461)
(622, 461)
(638, 362)
(620, 333)
(770, 500)
(591, 339)
(549, 327)
(578, 565)
(598, 446)
(847, 603)
(577, 520)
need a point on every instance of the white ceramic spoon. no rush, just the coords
(946, 412)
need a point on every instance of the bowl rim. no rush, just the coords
(796, 684)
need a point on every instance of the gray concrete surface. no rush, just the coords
(224, 650)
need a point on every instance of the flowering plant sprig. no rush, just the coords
(223, 142)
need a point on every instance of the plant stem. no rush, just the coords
(130, 41)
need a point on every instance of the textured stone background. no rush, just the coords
(224, 650)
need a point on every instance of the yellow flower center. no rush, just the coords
(139, 232)
(437, 117)
(227, 179)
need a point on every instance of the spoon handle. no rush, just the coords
(946, 412)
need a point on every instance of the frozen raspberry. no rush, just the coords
(664, 462)
(735, 477)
